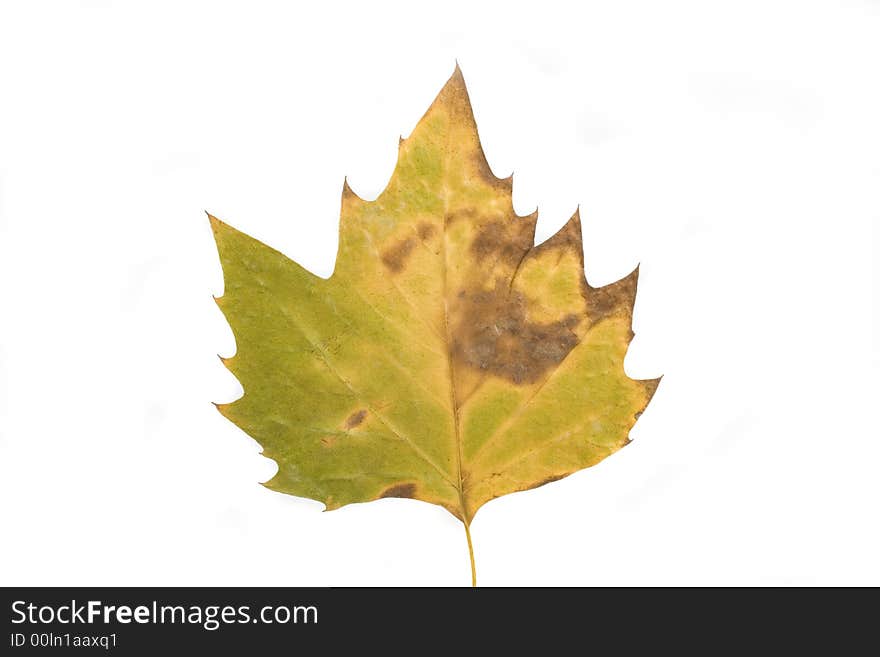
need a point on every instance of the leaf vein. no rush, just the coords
(427, 459)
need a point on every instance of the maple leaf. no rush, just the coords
(447, 359)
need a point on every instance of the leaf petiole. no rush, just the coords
(467, 531)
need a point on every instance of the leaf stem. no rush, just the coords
(467, 531)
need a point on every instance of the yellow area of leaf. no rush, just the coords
(447, 359)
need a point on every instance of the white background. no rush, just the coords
(733, 149)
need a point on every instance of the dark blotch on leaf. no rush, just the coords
(400, 490)
(395, 257)
(500, 241)
(355, 419)
(494, 336)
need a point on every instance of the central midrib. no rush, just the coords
(451, 366)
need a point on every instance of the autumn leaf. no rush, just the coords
(447, 359)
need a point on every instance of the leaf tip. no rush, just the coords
(455, 88)
(268, 482)
(616, 297)
(457, 69)
(348, 194)
(567, 238)
(217, 227)
(633, 276)
(572, 227)
(650, 386)
(330, 504)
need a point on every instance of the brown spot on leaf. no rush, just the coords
(355, 419)
(499, 240)
(400, 490)
(426, 231)
(494, 336)
(395, 257)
